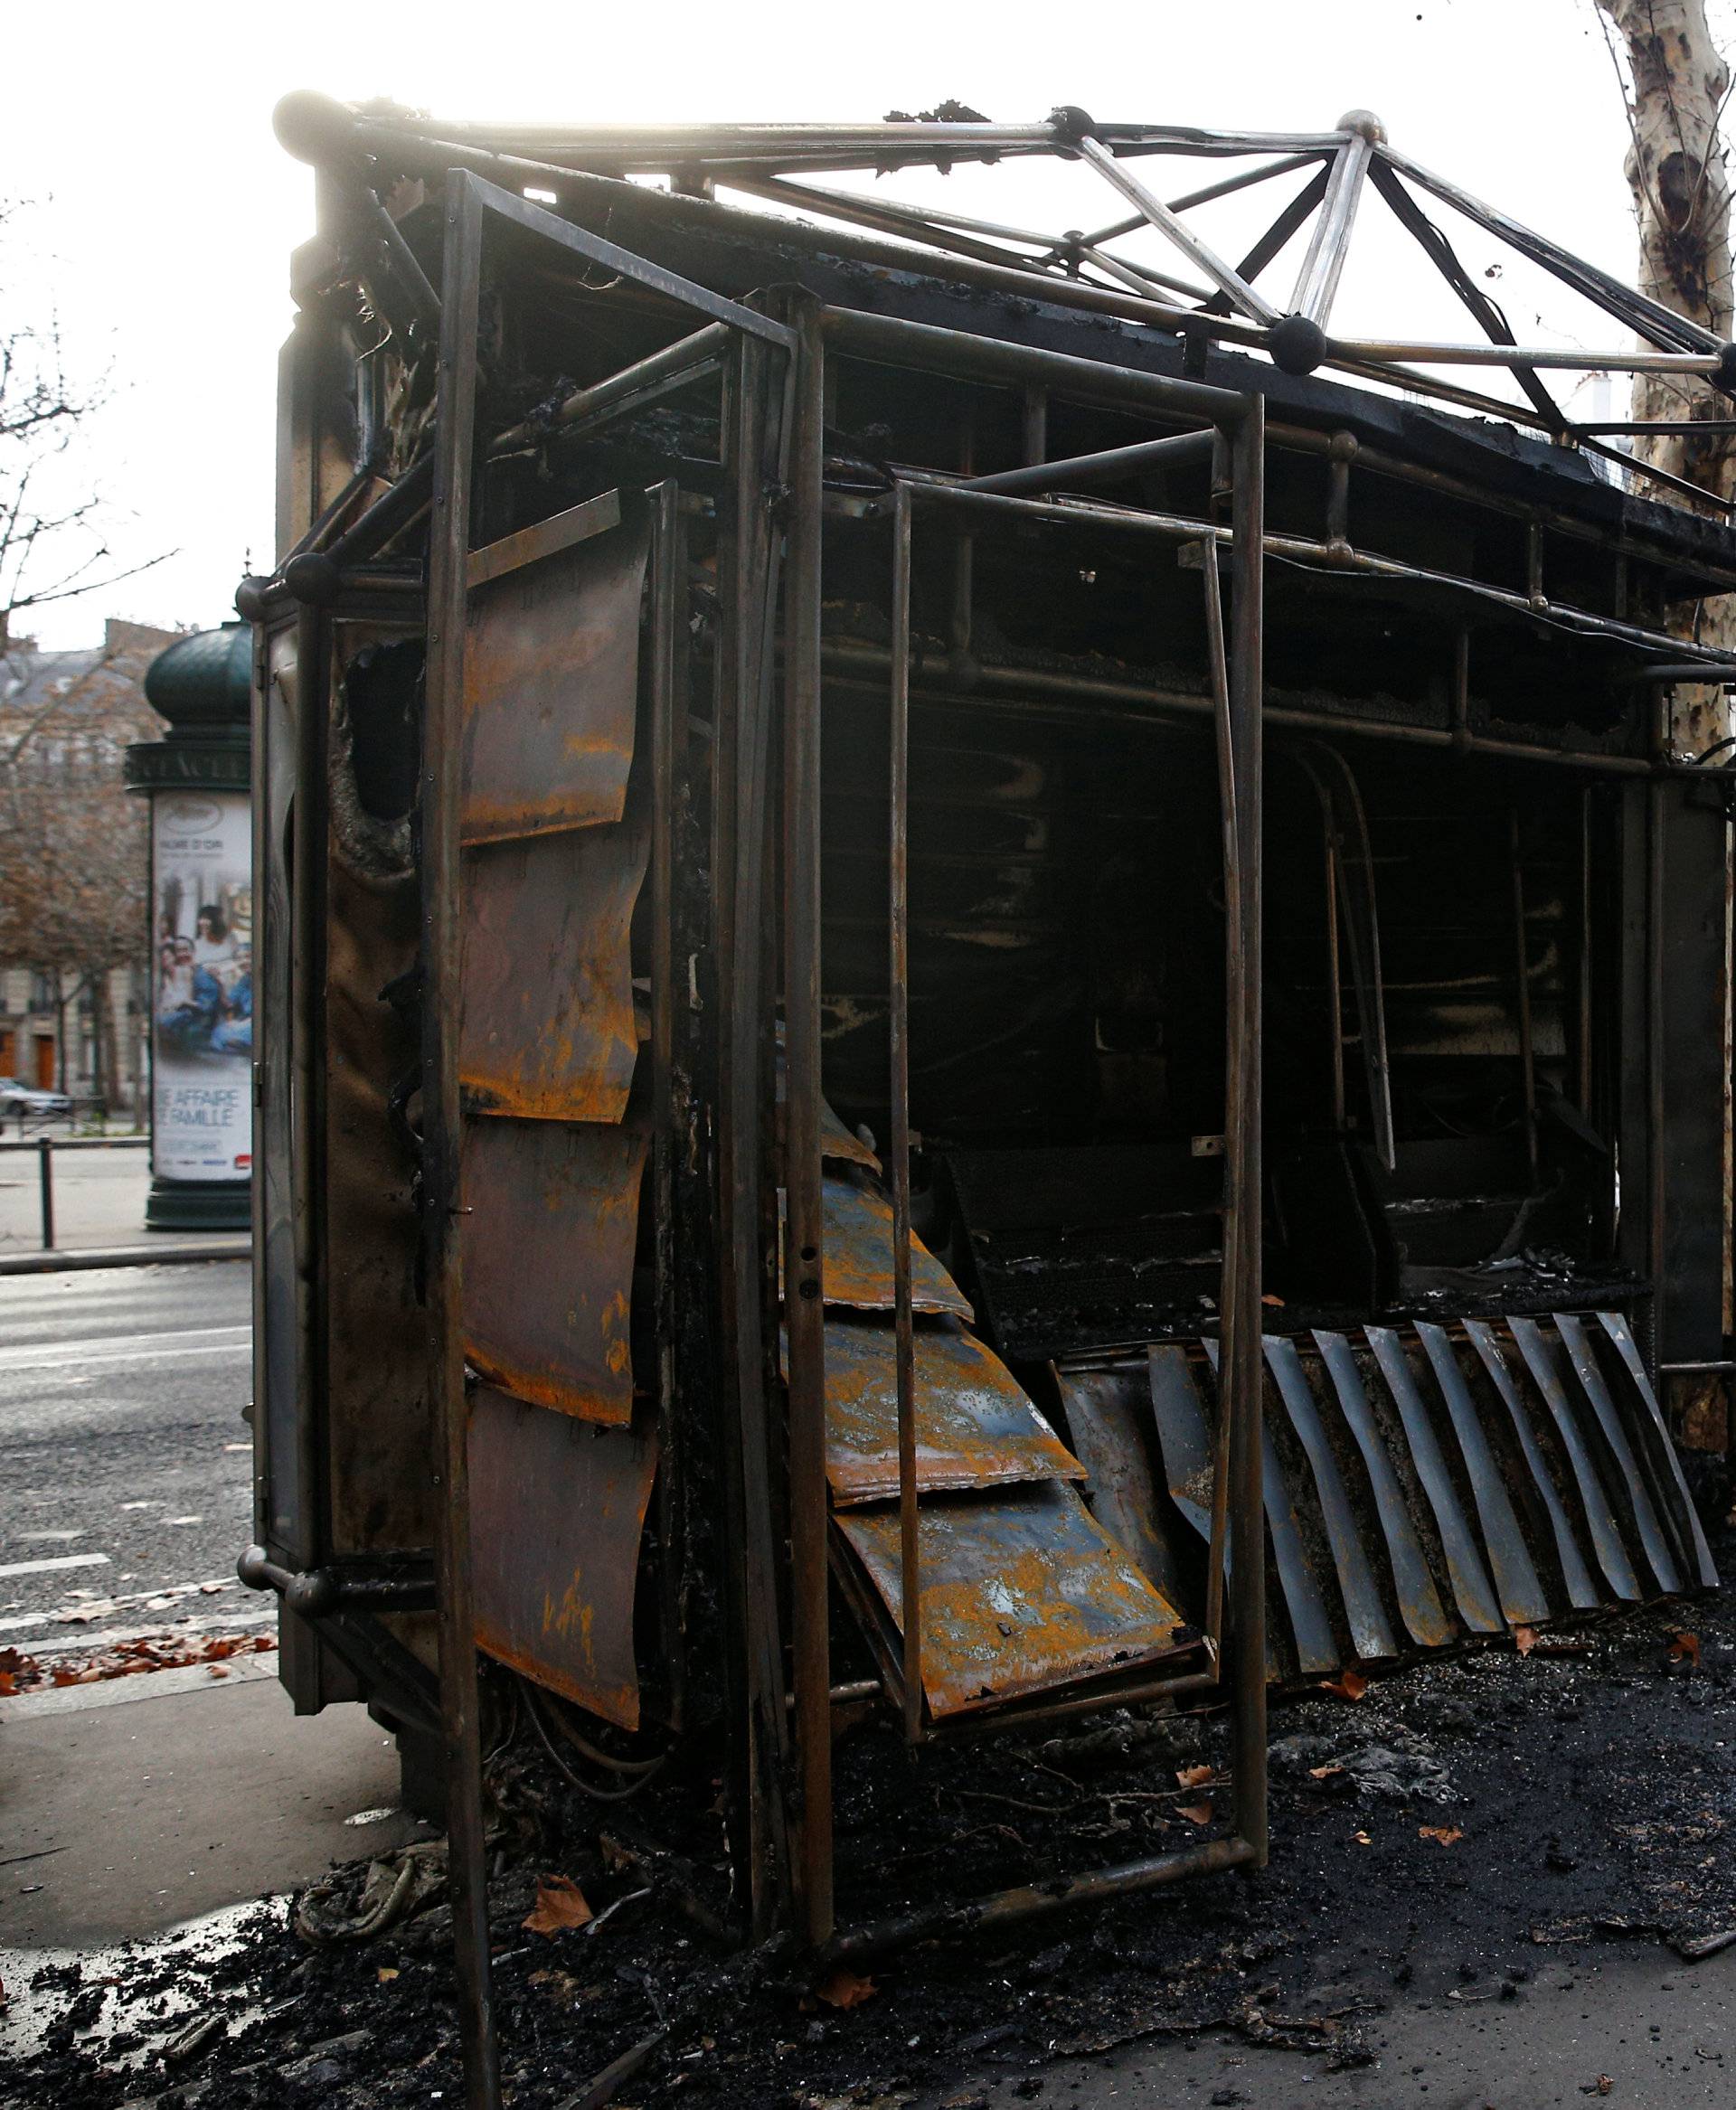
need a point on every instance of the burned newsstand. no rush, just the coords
(974, 957)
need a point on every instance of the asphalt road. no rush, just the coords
(124, 1465)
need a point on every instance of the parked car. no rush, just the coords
(19, 1098)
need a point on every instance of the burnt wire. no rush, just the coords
(573, 1779)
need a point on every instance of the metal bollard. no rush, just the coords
(46, 1147)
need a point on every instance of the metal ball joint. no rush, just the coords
(1297, 345)
(313, 579)
(1365, 124)
(250, 598)
(312, 126)
(1725, 377)
(1073, 124)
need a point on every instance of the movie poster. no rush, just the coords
(202, 1008)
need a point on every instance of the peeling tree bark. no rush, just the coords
(1675, 169)
(1678, 87)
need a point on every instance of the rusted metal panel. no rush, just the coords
(557, 1512)
(1370, 1636)
(1471, 1590)
(1516, 1576)
(1615, 1328)
(550, 686)
(547, 1027)
(1419, 1605)
(1108, 1412)
(1022, 1591)
(1576, 1577)
(1541, 1362)
(974, 1427)
(550, 1219)
(1652, 1537)
(1317, 1649)
(858, 1262)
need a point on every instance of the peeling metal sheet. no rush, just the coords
(550, 687)
(1542, 1365)
(558, 1511)
(1515, 1578)
(547, 1028)
(974, 1427)
(1420, 1606)
(857, 1262)
(1108, 1416)
(1304, 1600)
(1473, 1592)
(1576, 1577)
(551, 1213)
(1370, 1634)
(837, 1144)
(1021, 1592)
(1614, 1327)
(1603, 1407)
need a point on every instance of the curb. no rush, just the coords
(60, 1262)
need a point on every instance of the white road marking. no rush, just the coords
(55, 1560)
(28, 1619)
(170, 1347)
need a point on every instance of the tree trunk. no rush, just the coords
(1675, 169)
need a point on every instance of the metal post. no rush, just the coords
(1657, 1183)
(666, 599)
(1241, 1359)
(45, 1150)
(1223, 719)
(442, 788)
(1318, 282)
(898, 1014)
(747, 1227)
(804, 1301)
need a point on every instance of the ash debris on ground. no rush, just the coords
(1437, 1838)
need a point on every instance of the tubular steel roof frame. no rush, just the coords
(1076, 266)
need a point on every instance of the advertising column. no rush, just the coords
(202, 1001)
(202, 932)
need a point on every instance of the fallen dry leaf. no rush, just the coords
(1324, 1772)
(559, 1904)
(1272, 1301)
(843, 1989)
(385, 1974)
(1685, 1648)
(1193, 1776)
(1196, 1813)
(1524, 1639)
(1362, 1839)
(1442, 1834)
(1348, 1685)
(216, 1670)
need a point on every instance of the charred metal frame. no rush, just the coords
(772, 509)
(1078, 269)
(789, 1848)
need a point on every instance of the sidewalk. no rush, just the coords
(99, 1199)
(129, 1806)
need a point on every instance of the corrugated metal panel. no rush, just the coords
(557, 1514)
(547, 1026)
(974, 1427)
(551, 681)
(551, 1213)
(1517, 1471)
(1021, 1592)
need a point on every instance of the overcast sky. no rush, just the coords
(166, 211)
